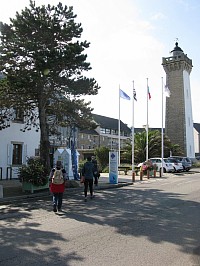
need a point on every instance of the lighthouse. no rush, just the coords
(178, 116)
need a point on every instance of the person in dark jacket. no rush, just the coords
(57, 189)
(96, 171)
(88, 173)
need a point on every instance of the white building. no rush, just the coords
(15, 147)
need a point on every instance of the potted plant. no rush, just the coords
(33, 175)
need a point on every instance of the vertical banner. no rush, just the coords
(113, 167)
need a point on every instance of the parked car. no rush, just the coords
(186, 162)
(178, 167)
(167, 166)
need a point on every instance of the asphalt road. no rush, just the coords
(154, 222)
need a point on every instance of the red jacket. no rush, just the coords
(54, 188)
(57, 188)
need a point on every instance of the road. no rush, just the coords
(154, 222)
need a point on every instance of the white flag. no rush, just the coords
(167, 91)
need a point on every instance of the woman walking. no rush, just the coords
(57, 185)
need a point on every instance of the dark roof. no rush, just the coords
(110, 123)
(197, 127)
(177, 48)
(89, 131)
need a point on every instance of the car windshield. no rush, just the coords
(167, 161)
(173, 160)
(177, 159)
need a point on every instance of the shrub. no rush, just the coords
(34, 172)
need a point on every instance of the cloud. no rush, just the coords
(158, 16)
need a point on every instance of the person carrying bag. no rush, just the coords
(57, 180)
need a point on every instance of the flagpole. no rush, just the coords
(133, 168)
(147, 126)
(119, 130)
(162, 142)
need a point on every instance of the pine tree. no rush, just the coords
(43, 62)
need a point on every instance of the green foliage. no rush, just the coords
(102, 155)
(154, 146)
(43, 62)
(34, 172)
(196, 164)
(106, 169)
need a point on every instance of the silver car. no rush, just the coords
(167, 166)
(186, 162)
(178, 167)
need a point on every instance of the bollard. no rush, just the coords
(1, 177)
(160, 172)
(141, 174)
(147, 174)
(133, 176)
(1, 191)
(154, 173)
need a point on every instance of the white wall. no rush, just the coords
(188, 116)
(196, 141)
(30, 140)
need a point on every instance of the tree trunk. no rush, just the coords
(44, 139)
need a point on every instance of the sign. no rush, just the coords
(113, 167)
(64, 155)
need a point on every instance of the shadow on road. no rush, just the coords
(153, 213)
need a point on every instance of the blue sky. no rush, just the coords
(128, 40)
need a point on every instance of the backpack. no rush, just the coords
(57, 178)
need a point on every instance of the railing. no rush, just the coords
(1, 173)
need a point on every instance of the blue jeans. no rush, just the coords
(57, 200)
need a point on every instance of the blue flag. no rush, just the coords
(123, 95)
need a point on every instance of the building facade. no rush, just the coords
(17, 144)
(179, 119)
(106, 134)
(197, 139)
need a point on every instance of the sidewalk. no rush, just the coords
(12, 189)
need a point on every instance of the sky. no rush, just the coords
(127, 42)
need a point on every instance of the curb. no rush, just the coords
(13, 199)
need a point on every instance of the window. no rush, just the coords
(37, 152)
(103, 130)
(114, 132)
(17, 154)
(19, 115)
(108, 131)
